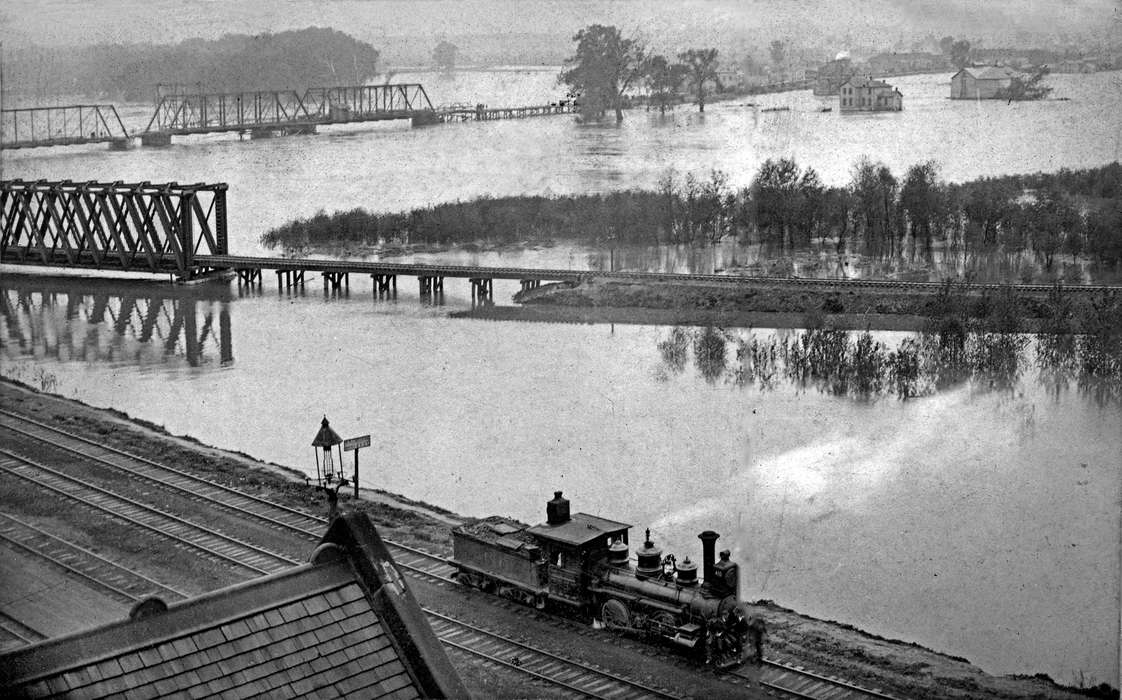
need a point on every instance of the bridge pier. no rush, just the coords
(424, 118)
(121, 144)
(431, 285)
(530, 284)
(481, 288)
(286, 279)
(248, 275)
(385, 284)
(336, 280)
(155, 138)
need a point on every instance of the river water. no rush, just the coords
(981, 521)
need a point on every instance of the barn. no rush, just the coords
(981, 83)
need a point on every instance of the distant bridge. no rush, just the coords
(30, 127)
(259, 114)
(264, 113)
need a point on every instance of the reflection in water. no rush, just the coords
(107, 322)
(857, 365)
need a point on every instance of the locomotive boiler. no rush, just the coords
(583, 563)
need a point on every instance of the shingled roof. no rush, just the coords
(344, 625)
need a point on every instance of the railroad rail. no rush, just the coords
(120, 582)
(214, 544)
(17, 632)
(567, 673)
(803, 683)
(417, 563)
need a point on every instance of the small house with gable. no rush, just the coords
(864, 94)
(982, 83)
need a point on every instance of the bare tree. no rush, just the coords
(702, 66)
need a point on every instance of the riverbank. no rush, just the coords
(765, 303)
(900, 668)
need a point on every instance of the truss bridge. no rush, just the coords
(138, 227)
(268, 113)
(31, 127)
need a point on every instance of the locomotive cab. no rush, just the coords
(573, 545)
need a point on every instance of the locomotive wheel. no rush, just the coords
(665, 622)
(614, 614)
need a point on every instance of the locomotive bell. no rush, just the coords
(650, 559)
(618, 554)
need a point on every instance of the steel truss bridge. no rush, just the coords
(138, 227)
(286, 111)
(259, 114)
(30, 127)
(98, 321)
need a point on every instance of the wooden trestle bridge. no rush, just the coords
(181, 230)
(259, 114)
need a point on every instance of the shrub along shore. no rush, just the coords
(1076, 213)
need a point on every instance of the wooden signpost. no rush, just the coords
(355, 444)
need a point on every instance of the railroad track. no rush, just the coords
(802, 683)
(459, 636)
(120, 582)
(569, 674)
(211, 543)
(417, 563)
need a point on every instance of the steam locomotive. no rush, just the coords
(582, 563)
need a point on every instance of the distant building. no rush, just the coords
(1074, 65)
(831, 75)
(865, 94)
(344, 625)
(901, 63)
(982, 83)
(730, 79)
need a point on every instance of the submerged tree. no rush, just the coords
(922, 199)
(1030, 88)
(663, 80)
(604, 67)
(702, 67)
(788, 202)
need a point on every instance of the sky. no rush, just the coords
(663, 22)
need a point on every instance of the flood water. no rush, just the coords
(980, 521)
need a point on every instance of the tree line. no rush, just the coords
(235, 62)
(786, 208)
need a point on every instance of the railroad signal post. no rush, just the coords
(356, 443)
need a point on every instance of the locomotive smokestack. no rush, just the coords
(708, 546)
(557, 510)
